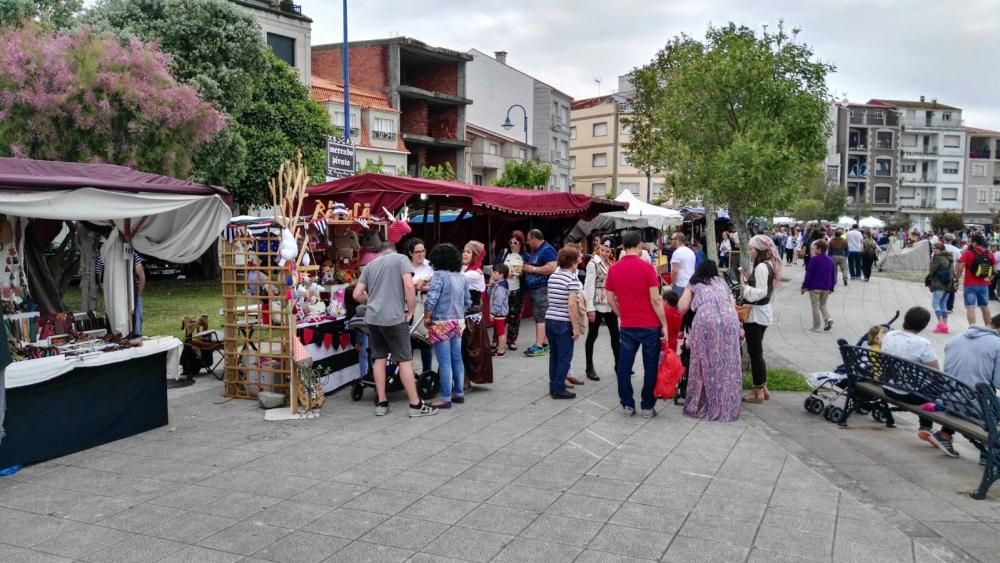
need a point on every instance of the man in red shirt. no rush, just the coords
(633, 292)
(976, 290)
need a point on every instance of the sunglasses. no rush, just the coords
(515, 242)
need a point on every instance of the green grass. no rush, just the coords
(780, 379)
(165, 302)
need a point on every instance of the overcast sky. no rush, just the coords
(898, 49)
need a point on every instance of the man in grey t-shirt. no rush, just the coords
(386, 287)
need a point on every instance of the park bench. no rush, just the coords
(974, 413)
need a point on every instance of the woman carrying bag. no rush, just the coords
(756, 291)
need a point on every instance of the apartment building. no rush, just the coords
(374, 124)
(982, 165)
(426, 84)
(863, 156)
(286, 30)
(933, 156)
(541, 127)
(598, 154)
(489, 154)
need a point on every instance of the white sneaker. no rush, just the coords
(381, 410)
(423, 410)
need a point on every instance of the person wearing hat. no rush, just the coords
(598, 309)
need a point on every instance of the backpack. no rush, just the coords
(982, 266)
(868, 248)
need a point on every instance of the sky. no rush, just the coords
(895, 49)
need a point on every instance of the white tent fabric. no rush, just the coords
(846, 222)
(172, 227)
(871, 223)
(783, 221)
(637, 207)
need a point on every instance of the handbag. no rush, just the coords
(668, 375)
(743, 312)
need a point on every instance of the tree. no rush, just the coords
(49, 14)
(947, 221)
(440, 172)
(808, 210)
(85, 97)
(217, 49)
(738, 119)
(834, 202)
(528, 174)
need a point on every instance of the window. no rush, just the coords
(883, 167)
(624, 158)
(981, 196)
(952, 141)
(283, 47)
(657, 190)
(599, 160)
(949, 193)
(978, 169)
(600, 189)
(556, 114)
(908, 167)
(384, 129)
(950, 167)
(946, 116)
(909, 140)
(877, 114)
(563, 182)
(563, 149)
(523, 153)
(996, 196)
(907, 192)
(493, 148)
(477, 179)
(572, 162)
(572, 133)
(338, 120)
(883, 194)
(630, 187)
(601, 129)
(883, 140)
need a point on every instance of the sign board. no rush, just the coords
(339, 158)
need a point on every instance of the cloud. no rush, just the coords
(881, 48)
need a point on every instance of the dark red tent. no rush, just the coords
(392, 192)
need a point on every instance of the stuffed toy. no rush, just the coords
(328, 276)
(347, 245)
(341, 212)
(337, 296)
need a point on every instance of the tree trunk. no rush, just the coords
(711, 247)
(738, 216)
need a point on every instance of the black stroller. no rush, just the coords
(428, 382)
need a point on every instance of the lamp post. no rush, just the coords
(508, 124)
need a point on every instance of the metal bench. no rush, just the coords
(974, 413)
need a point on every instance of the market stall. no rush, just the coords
(77, 380)
(639, 215)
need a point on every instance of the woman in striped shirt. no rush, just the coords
(561, 330)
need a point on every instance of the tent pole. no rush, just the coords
(437, 222)
(489, 236)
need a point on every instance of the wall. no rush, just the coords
(369, 65)
(415, 118)
(298, 29)
(493, 87)
(442, 77)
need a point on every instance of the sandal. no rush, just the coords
(767, 395)
(754, 396)
(498, 354)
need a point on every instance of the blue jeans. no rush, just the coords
(631, 339)
(425, 358)
(560, 336)
(854, 264)
(363, 354)
(450, 367)
(940, 301)
(137, 315)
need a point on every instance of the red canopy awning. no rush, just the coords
(392, 192)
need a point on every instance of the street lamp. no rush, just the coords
(508, 124)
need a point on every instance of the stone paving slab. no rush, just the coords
(509, 476)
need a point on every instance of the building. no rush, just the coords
(285, 30)
(426, 84)
(982, 178)
(496, 87)
(932, 160)
(374, 124)
(864, 156)
(489, 154)
(598, 153)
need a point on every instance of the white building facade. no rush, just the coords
(286, 31)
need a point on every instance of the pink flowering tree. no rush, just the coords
(87, 97)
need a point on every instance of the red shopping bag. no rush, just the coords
(669, 374)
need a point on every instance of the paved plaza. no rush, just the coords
(515, 476)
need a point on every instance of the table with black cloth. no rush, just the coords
(69, 405)
(331, 346)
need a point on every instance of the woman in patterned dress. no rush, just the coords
(714, 371)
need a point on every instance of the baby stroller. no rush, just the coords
(428, 382)
(829, 387)
(733, 281)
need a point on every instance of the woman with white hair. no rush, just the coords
(757, 291)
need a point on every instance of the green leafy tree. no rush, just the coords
(832, 197)
(834, 202)
(528, 174)
(739, 119)
(49, 14)
(947, 221)
(808, 210)
(440, 172)
(217, 48)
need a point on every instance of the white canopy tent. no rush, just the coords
(871, 223)
(163, 217)
(640, 215)
(846, 222)
(640, 208)
(784, 221)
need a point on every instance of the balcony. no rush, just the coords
(917, 152)
(279, 5)
(338, 131)
(558, 159)
(884, 117)
(384, 135)
(980, 153)
(884, 146)
(923, 203)
(559, 127)
(857, 148)
(921, 179)
(487, 161)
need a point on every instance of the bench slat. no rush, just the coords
(960, 425)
